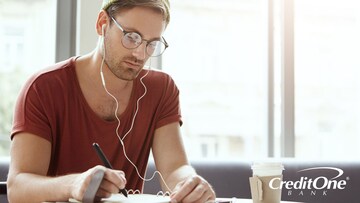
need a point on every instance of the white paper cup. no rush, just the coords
(263, 174)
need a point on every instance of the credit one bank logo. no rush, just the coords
(314, 186)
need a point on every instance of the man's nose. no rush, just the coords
(140, 51)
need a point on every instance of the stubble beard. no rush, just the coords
(121, 71)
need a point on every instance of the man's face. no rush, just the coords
(127, 63)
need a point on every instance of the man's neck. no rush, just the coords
(88, 74)
(91, 67)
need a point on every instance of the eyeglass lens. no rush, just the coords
(132, 40)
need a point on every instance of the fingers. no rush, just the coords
(113, 181)
(101, 193)
(194, 189)
(107, 187)
(115, 177)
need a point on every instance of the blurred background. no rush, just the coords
(257, 78)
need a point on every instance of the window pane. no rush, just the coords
(327, 81)
(27, 33)
(218, 58)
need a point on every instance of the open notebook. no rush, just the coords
(94, 184)
(133, 198)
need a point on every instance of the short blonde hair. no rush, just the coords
(163, 6)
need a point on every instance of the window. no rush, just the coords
(218, 58)
(327, 91)
(27, 33)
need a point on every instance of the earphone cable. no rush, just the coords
(133, 119)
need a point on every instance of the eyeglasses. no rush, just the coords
(132, 40)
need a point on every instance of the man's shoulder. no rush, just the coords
(156, 72)
(157, 75)
(158, 80)
(56, 72)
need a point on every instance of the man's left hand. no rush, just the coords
(194, 189)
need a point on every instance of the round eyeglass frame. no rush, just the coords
(161, 43)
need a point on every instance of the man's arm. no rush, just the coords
(170, 159)
(27, 180)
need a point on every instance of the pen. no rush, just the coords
(106, 162)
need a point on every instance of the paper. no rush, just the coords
(256, 188)
(261, 192)
(134, 198)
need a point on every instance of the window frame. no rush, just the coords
(66, 14)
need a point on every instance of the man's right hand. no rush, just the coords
(112, 182)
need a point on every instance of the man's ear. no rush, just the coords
(101, 23)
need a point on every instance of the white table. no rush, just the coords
(237, 200)
(229, 200)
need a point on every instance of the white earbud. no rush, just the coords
(103, 45)
(103, 30)
(102, 78)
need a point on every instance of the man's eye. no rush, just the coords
(153, 44)
(133, 37)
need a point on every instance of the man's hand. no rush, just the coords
(112, 182)
(194, 189)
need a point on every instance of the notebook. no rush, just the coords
(137, 198)
(94, 184)
(133, 198)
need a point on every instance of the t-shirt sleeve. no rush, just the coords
(170, 105)
(30, 114)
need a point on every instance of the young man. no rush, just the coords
(108, 98)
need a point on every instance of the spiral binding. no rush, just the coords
(138, 192)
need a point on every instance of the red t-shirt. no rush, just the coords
(52, 106)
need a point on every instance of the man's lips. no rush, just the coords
(133, 65)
